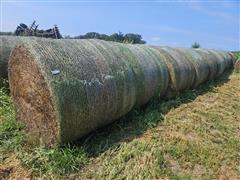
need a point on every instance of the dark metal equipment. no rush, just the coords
(32, 30)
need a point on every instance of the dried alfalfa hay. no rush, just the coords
(64, 89)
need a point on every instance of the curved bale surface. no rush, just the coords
(223, 60)
(234, 57)
(212, 61)
(173, 71)
(7, 43)
(199, 63)
(181, 70)
(237, 65)
(191, 67)
(209, 64)
(64, 89)
(228, 59)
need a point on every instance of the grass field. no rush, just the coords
(196, 135)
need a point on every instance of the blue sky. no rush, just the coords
(214, 24)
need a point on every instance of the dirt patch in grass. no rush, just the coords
(226, 172)
(11, 168)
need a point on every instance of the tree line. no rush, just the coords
(6, 33)
(131, 38)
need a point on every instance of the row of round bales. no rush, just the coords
(64, 89)
(7, 43)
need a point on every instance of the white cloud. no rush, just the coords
(225, 15)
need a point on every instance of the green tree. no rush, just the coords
(118, 37)
(196, 45)
(133, 38)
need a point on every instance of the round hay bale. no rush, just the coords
(7, 43)
(220, 62)
(228, 60)
(237, 66)
(234, 58)
(211, 60)
(173, 71)
(191, 68)
(180, 69)
(217, 61)
(161, 67)
(199, 63)
(64, 89)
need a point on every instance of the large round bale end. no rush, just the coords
(64, 89)
(7, 43)
(32, 96)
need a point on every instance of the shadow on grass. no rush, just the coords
(137, 121)
(4, 83)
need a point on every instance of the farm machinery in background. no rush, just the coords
(32, 30)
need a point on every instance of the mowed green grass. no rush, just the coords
(195, 135)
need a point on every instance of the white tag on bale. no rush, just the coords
(55, 72)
